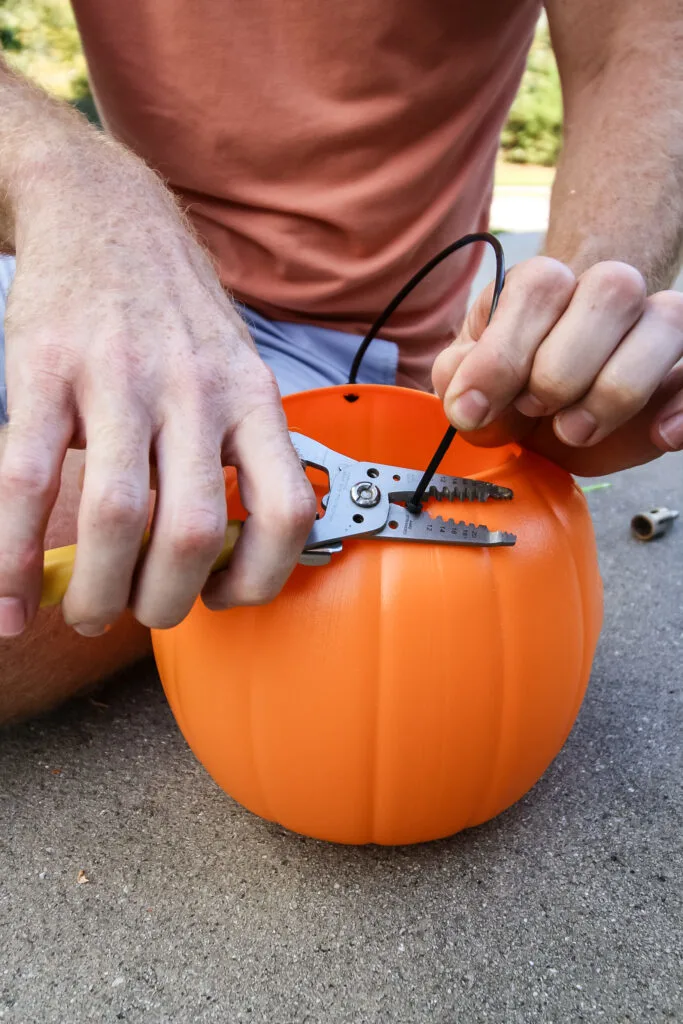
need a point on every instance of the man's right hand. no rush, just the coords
(120, 338)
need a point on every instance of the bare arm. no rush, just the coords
(46, 148)
(618, 193)
(119, 333)
(24, 111)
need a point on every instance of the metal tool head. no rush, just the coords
(653, 523)
(364, 501)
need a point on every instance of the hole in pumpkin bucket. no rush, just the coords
(351, 397)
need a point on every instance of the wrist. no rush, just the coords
(34, 127)
(578, 250)
(74, 175)
(620, 215)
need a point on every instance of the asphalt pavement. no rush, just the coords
(132, 889)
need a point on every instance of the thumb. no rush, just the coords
(509, 428)
(448, 361)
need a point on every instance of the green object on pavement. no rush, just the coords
(596, 487)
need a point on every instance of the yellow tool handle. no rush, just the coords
(59, 564)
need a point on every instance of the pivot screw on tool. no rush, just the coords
(366, 495)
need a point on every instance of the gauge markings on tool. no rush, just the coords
(405, 525)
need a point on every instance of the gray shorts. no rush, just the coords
(301, 357)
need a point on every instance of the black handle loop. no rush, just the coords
(415, 503)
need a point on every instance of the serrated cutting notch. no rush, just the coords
(405, 525)
(461, 489)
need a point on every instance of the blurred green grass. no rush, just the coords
(509, 175)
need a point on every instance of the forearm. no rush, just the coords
(74, 192)
(618, 193)
(49, 151)
(36, 133)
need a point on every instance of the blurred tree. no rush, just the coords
(533, 133)
(40, 39)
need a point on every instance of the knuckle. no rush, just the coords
(617, 284)
(294, 521)
(545, 279)
(251, 395)
(507, 365)
(206, 391)
(246, 591)
(90, 618)
(121, 507)
(613, 397)
(27, 476)
(197, 533)
(55, 361)
(161, 620)
(669, 306)
(257, 592)
(305, 509)
(21, 559)
(91, 605)
(155, 612)
(261, 389)
(263, 377)
(200, 383)
(551, 389)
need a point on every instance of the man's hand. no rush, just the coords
(120, 338)
(578, 358)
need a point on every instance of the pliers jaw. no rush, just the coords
(364, 500)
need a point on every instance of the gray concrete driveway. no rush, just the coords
(566, 908)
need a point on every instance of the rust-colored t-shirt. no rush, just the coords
(325, 149)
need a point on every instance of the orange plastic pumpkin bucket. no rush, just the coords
(405, 691)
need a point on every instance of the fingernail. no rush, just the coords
(469, 410)
(576, 427)
(671, 431)
(12, 616)
(85, 629)
(529, 405)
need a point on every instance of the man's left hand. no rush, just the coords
(582, 370)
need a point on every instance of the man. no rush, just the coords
(322, 152)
